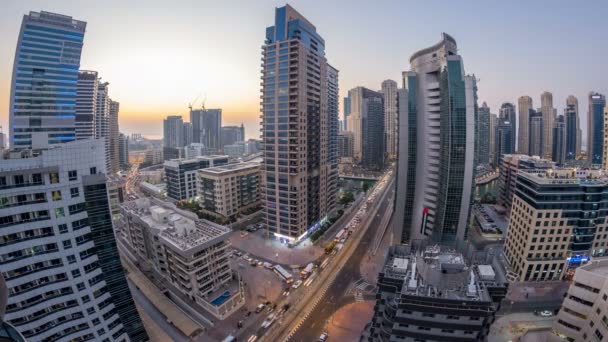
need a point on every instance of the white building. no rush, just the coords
(54, 218)
(190, 254)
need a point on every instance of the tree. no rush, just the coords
(346, 198)
(365, 186)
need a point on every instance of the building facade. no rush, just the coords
(296, 128)
(504, 138)
(559, 140)
(549, 114)
(181, 175)
(173, 137)
(47, 55)
(389, 90)
(573, 136)
(207, 128)
(190, 254)
(584, 312)
(510, 166)
(367, 123)
(435, 177)
(558, 221)
(536, 133)
(232, 134)
(58, 251)
(492, 142)
(595, 128)
(345, 144)
(524, 105)
(229, 189)
(86, 102)
(114, 136)
(123, 151)
(507, 114)
(482, 147)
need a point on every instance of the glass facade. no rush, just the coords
(571, 131)
(597, 102)
(45, 75)
(412, 138)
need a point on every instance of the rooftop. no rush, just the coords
(216, 170)
(566, 176)
(597, 266)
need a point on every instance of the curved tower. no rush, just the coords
(436, 145)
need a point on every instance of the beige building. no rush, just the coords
(191, 255)
(524, 104)
(584, 313)
(549, 114)
(605, 159)
(227, 190)
(555, 223)
(389, 90)
(493, 123)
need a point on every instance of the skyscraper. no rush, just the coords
(59, 253)
(102, 117)
(482, 146)
(42, 108)
(232, 134)
(187, 133)
(173, 137)
(595, 128)
(492, 141)
(346, 113)
(333, 109)
(559, 140)
(504, 139)
(123, 151)
(113, 135)
(507, 113)
(572, 128)
(389, 90)
(86, 102)
(536, 133)
(367, 119)
(435, 181)
(296, 127)
(524, 104)
(549, 113)
(207, 127)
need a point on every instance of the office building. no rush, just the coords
(584, 312)
(367, 124)
(435, 179)
(181, 175)
(510, 166)
(507, 113)
(492, 141)
(102, 118)
(228, 190)
(332, 159)
(3, 140)
(232, 134)
(557, 222)
(123, 151)
(504, 139)
(173, 137)
(524, 105)
(113, 136)
(153, 156)
(434, 295)
(346, 145)
(58, 251)
(346, 113)
(536, 133)
(389, 90)
(296, 172)
(207, 127)
(190, 254)
(548, 114)
(236, 150)
(86, 102)
(48, 53)
(595, 128)
(482, 147)
(8, 333)
(195, 150)
(573, 136)
(559, 141)
(187, 133)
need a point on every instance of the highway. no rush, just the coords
(334, 297)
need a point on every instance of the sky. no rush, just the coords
(159, 56)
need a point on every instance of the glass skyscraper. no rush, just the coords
(595, 128)
(45, 75)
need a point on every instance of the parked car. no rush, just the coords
(297, 284)
(260, 308)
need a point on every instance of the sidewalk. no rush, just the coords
(509, 327)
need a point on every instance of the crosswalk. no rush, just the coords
(359, 289)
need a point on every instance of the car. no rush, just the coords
(260, 263)
(546, 313)
(297, 284)
(323, 337)
(260, 308)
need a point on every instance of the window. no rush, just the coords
(86, 299)
(96, 320)
(56, 195)
(76, 273)
(63, 228)
(91, 311)
(74, 192)
(67, 244)
(71, 258)
(93, 170)
(59, 212)
(54, 177)
(80, 286)
(72, 175)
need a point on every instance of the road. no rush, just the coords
(334, 298)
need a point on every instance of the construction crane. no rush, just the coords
(193, 102)
(204, 100)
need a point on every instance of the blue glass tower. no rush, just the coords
(595, 119)
(45, 75)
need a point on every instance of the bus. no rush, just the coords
(286, 276)
(307, 271)
(339, 235)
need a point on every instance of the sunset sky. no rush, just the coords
(159, 55)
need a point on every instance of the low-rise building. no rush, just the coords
(584, 312)
(433, 295)
(509, 166)
(190, 254)
(229, 189)
(181, 174)
(557, 222)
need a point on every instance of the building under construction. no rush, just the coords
(432, 294)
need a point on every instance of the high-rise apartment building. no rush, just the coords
(346, 113)
(207, 127)
(595, 128)
(173, 137)
(435, 179)
(57, 247)
(346, 144)
(509, 168)
(367, 124)
(573, 135)
(333, 105)
(296, 127)
(492, 141)
(389, 90)
(548, 114)
(46, 66)
(482, 147)
(524, 105)
(123, 151)
(181, 175)
(86, 103)
(559, 140)
(507, 113)
(113, 136)
(536, 133)
(504, 137)
(187, 133)
(584, 312)
(556, 223)
(232, 134)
